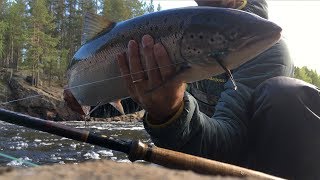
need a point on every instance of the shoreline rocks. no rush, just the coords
(43, 102)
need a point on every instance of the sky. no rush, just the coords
(300, 21)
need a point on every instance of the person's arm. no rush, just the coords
(223, 136)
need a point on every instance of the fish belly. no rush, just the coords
(98, 83)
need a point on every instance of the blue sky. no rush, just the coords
(300, 21)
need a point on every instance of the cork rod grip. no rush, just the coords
(177, 160)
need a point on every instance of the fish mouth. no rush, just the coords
(251, 48)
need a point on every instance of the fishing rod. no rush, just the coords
(136, 150)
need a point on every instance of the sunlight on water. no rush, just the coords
(18, 162)
(43, 148)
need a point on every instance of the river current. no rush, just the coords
(41, 148)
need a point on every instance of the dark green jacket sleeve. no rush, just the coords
(224, 136)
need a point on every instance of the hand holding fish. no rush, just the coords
(163, 102)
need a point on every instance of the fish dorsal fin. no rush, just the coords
(94, 25)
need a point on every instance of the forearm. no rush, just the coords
(195, 133)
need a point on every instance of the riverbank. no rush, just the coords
(103, 169)
(43, 101)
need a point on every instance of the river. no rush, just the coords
(42, 148)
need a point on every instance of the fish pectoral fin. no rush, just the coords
(117, 104)
(86, 109)
(94, 25)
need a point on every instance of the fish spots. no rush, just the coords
(193, 50)
(170, 28)
(156, 28)
(198, 43)
(217, 40)
(233, 34)
(165, 20)
(147, 23)
(189, 50)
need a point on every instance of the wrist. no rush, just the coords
(157, 118)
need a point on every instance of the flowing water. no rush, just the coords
(42, 148)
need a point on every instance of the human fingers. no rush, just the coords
(135, 68)
(125, 72)
(154, 76)
(166, 67)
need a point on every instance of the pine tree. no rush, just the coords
(43, 35)
(3, 29)
(159, 7)
(307, 75)
(300, 73)
(3, 8)
(88, 6)
(16, 33)
(41, 44)
(119, 10)
(150, 7)
(58, 9)
(73, 28)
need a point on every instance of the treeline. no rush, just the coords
(307, 75)
(42, 35)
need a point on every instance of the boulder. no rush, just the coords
(39, 102)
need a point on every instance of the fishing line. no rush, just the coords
(228, 72)
(217, 57)
(94, 82)
(19, 160)
(29, 97)
(87, 116)
(121, 76)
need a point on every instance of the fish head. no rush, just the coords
(233, 36)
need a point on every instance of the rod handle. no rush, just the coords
(178, 160)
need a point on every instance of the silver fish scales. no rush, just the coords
(199, 40)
